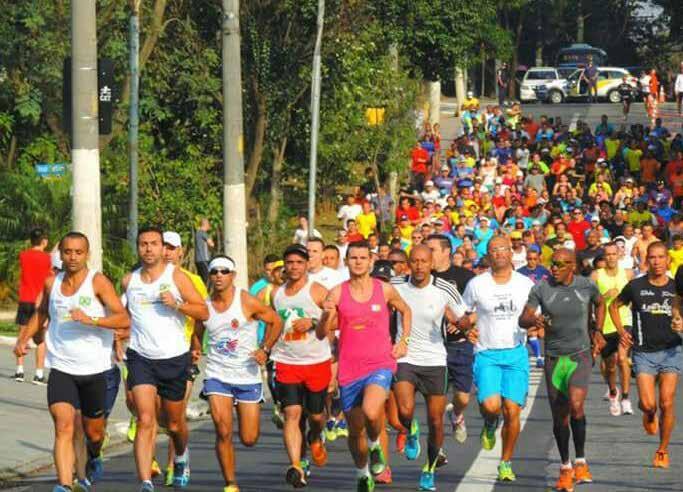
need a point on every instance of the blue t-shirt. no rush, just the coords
(537, 274)
(257, 287)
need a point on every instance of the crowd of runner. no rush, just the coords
(520, 243)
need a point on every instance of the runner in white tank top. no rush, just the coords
(159, 296)
(84, 313)
(303, 365)
(233, 375)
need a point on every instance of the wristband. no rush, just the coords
(95, 321)
(405, 340)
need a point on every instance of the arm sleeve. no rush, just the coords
(626, 294)
(470, 297)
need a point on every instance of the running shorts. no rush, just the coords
(428, 380)
(563, 371)
(612, 344)
(241, 393)
(662, 361)
(24, 312)
(304, 385)
(459, 363)
(352, 393)
(168, 376)
(112, 378)
(503, 372)
(85, 392)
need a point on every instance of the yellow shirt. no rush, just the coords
(367, 223)
(676, 256)
(611, 145)
(201, 288)
(406, 232)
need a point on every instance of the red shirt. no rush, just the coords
(420, 158)
(412, 213)
(352, 238)
(34, 267)
(578, 232)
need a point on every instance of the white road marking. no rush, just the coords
(482, 473)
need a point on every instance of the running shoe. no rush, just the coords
(582, 473)
(614, 405)
(488, 434)
(132, 428)
(155, 469)
(168, 477)
(277, 418)
(505, 473)
(82, 485)
(330, 431)
(19, 378)
(365, 484)
(605, 396)
(295, 477)
(181, 474)
(626, 407)
(94, 469)
(318, 452)
(231, 488)
(384, 477)
(566, 481)
(342, 429)
(412, 448)
(61, 488)
(305, 465)
(427, 479)
(459, 428)
(661, 459)
(39, 381)
(441, 459)
(650, 424)
(378, 462)
(401, 438)
(147, 486)
(540, 362)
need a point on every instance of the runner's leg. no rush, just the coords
(405, 399)
(250, 425)
(63, 415)
(667, 403)
(144, 399)
(221, 413)
(577, 397)
(624, 371)
(177, 424)
(357, 441)
(291, 433)
(511, 427)
(647, 395)
(80, 450)
(436, 406)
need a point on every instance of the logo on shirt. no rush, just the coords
(646, 293)
(226, 346)
(84, 301)
(505, 307)
(375, 308)
(234, 324)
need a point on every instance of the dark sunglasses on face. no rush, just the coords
(394, 262)
(221, 271)
(559, 264)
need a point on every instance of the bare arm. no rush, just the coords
(318, 293)
(328, 321)
(117, 318)
(192, 305)
(676, 318)
(258, 310)
(37, 321)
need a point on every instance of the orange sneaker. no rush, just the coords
(581, 473)
(401, 438)
(318, 453)
(566, 480)
(651, 425)
(661, 459)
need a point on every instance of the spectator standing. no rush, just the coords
(678, 90)
(35, 265)
(419, 166)
(302, 234)
(503, 81)
(202, 244)
(349, 211)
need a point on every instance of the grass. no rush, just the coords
(8, 328)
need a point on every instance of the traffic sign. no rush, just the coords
(51, 170)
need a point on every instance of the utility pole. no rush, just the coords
(315, 118)
(234, 199)
(85, 155)
(134, 34)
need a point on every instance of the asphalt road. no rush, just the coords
(618, 451)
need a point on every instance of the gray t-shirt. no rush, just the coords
(201, 246)
(567, 306)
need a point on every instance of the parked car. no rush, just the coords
(547, 80)
(609, 79)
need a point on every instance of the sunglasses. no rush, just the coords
(559, 264)
(222, 271)
(394, 262)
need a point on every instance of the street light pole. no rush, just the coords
(134, 33)
(315, 119)
(85, 156)
(234, 199)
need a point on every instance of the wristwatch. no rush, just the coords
(265, 349)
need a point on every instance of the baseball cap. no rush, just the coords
(382, 270)
(445, 168)
(515, 235)
(296, 249)
(429, 183)
(172, 238)
(595, 218)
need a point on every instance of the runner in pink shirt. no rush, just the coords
(367, 359)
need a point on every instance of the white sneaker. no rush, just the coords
(615, 405)
(626, 407)
(606, 395)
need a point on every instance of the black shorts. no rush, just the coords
(460, 364)
(612, 344)
(24, 312)
(297, 394)
(428, 380)
(565, 371)
(87, 393)
(168, 376)
(113, 381)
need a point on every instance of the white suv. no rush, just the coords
(546, 79)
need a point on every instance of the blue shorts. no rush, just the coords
(459, 362)
(503, 372)
(113, 379)
(241, 393)
(668, 360)
(352, 394)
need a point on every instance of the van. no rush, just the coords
(547, 80)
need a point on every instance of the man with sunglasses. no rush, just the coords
(567, 302)
(501, 363)
(233, 376)
(399, 262)
(160, 297)
(578, 227)
(303, 364)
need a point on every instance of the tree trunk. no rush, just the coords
(433, 90)
(482, 93)
(459, 88)
(258, 143)
(580, 23)
(515, 56)
(276, 178)
(12, 151)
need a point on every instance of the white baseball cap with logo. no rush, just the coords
(172, 238)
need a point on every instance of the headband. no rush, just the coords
(222, 262)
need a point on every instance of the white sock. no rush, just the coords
(566, 466)
(39, 373)
(20, 369)
(363, 472)
(372, 444)
(580, 461)
(183, 458)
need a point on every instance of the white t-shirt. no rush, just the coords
(433, 195)
(498, 307)
(301, 236)
(428, 305)
(327, 277)
(347, 212)
(519, 259)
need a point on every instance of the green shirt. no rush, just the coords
(632, 157)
